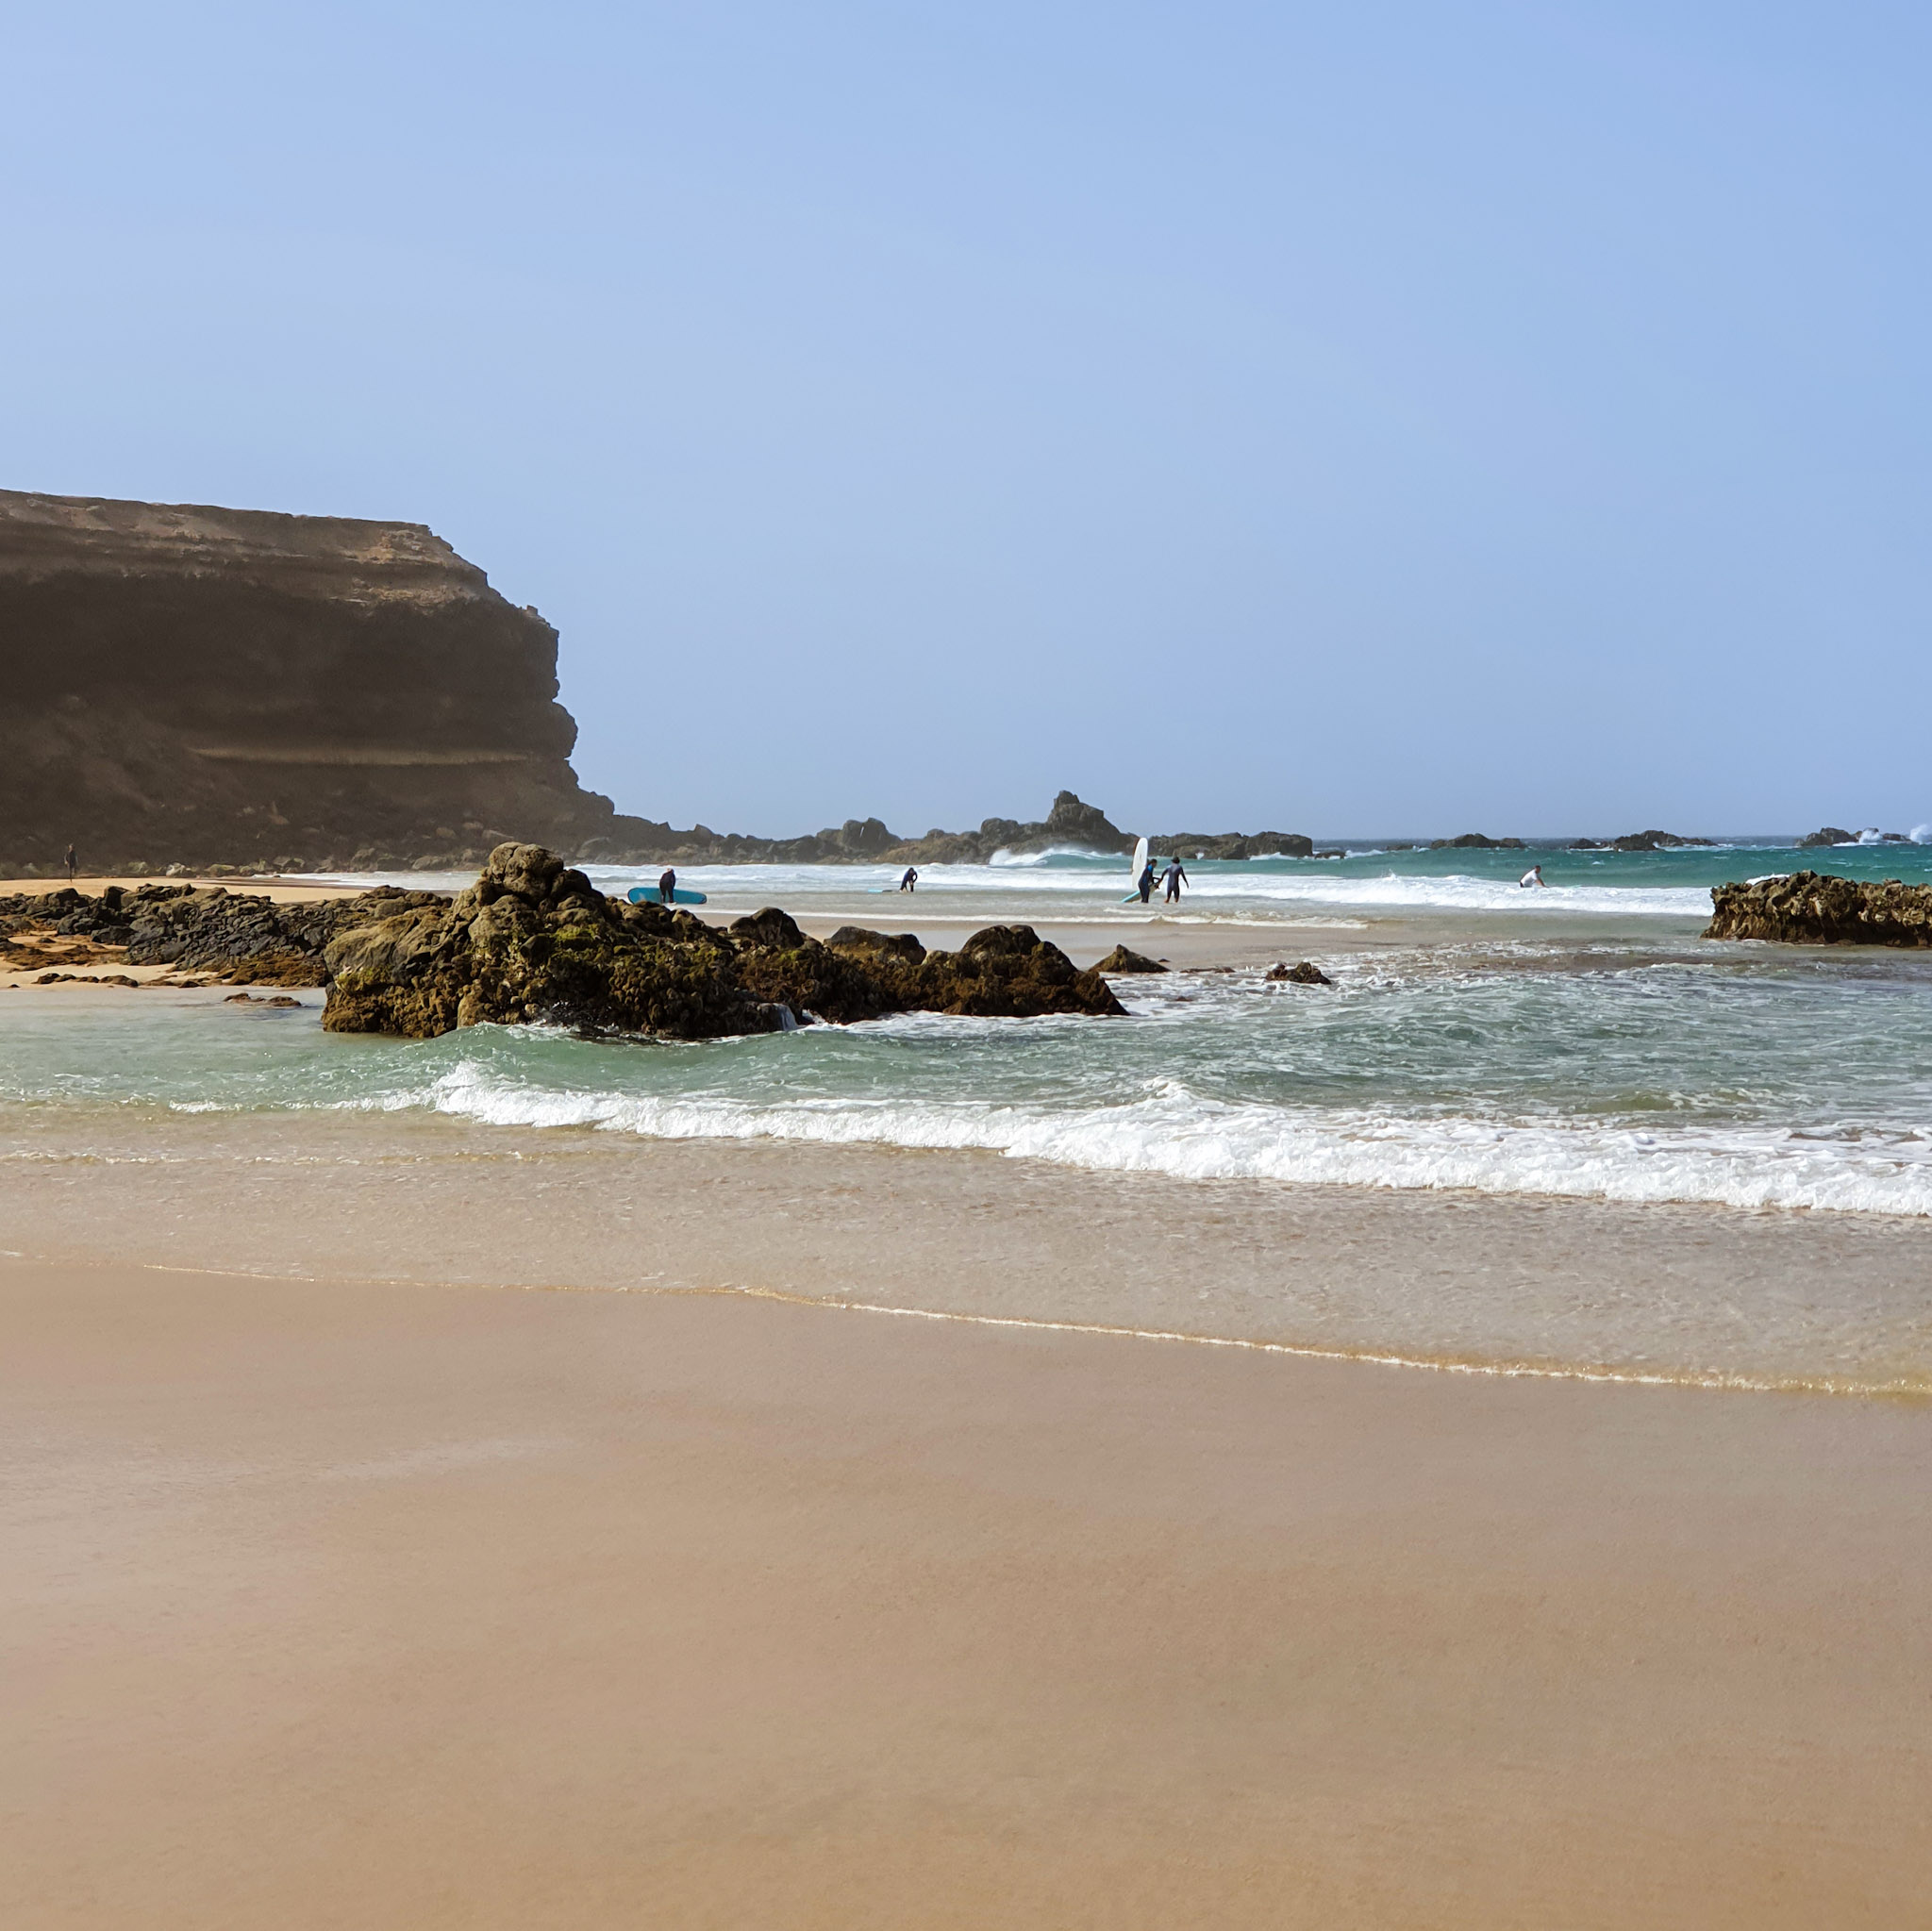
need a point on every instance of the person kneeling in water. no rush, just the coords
(1535, 876)
(910, 881)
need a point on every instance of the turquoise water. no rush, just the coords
(1627, 1068)
(1581, 1041)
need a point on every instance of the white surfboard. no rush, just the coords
(1139, 866)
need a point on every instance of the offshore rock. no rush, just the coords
(1236, 844)
(1122, 960)
(1475, 841)
(1305, 974)
(1651, 841)
(1069, 824)
(1820, 909)
(1827, 835)
(532, 940)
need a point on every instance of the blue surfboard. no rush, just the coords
(650, 895)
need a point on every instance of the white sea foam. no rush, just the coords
(1174, 1132)
(1004, 859)
(1253, 893)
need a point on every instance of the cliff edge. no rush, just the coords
(201, 684)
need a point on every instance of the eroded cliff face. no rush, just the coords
(183, 684)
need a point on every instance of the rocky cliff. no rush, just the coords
(200, 685)
(188, 686)
(1817, 908)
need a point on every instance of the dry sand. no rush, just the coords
(405, 1603)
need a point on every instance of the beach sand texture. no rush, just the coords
(423, 1601)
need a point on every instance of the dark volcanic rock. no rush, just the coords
(1236, 844)
(903, 945)
(532, 941)
(1009, 971)
(1121, 960)
(1475, 841)
(1818, 909)
(1827, 835)
(1652, 841)
(1305, 974)
(203, 685)
(239, 937)
(1070, 823)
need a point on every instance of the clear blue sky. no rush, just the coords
(1379, 417)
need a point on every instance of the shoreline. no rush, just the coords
(1483, 1285)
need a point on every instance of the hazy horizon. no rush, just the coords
(1245, 417)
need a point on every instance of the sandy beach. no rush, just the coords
(411, 1542)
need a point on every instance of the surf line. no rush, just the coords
(1497, 1371)
(1502, 1371)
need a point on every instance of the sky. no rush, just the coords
(1395, 419)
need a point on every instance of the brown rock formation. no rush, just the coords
(201, 684)
(233, 936)
(533, 939)
(1121, 961)
(1307, 973)
(1820, 909)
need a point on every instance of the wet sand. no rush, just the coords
(423, 1601)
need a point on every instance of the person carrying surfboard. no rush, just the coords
(1173, 878)
(1145, 885)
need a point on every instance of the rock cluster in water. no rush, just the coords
(1820, 909)
(1305, 973)
(533, 939)
(1639, 841)
(1837, 835)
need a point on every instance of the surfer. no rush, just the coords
(910, 881)
(1534, 877)
(1145, 885)
(1173, 878)
(667, 886)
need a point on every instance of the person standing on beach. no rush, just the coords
(73, 864)
(1173, 878)
(1145, 888)
(666, 884)
(910, 881)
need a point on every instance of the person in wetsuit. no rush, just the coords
(1173, 878)
(910, 881)
(1146, 886)
(667, 886)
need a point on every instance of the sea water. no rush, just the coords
(1581, 1041)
